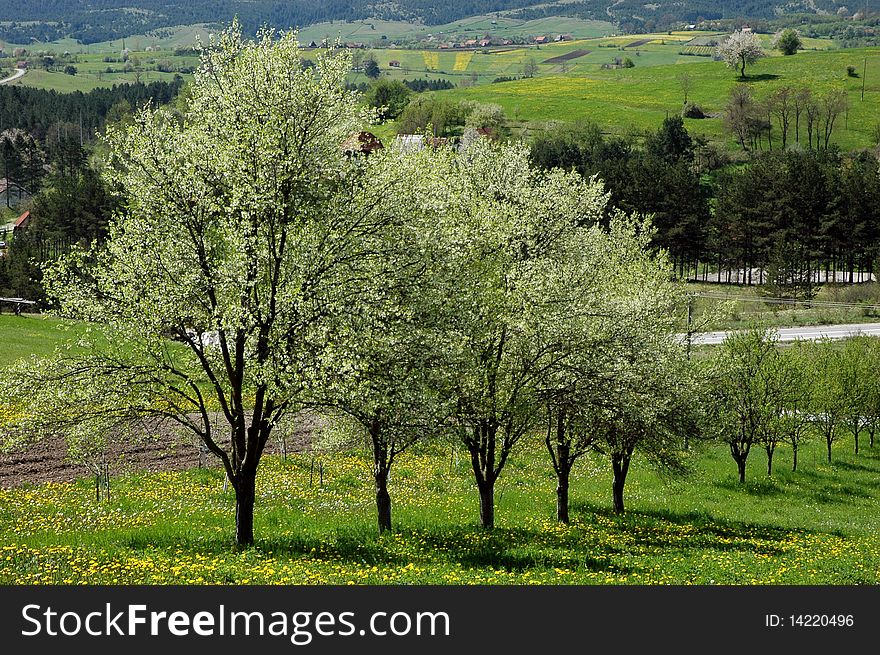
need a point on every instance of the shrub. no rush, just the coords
(692, 110)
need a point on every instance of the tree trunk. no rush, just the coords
(481, 447)
(383, 500)
(740, 455)
(562, 477)
(382, 460)
(620, 464)
(829, 441)
(487, 504)
(794, 451)
(245, 495)
(857, 443)
(770, 450)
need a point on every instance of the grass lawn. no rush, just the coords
(22, 336)
(820, 525)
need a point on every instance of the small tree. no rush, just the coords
(740, 114)
(855, 374)
(686, 82)
(739, 50)
(389, 97)
(793, 422)
(828, 401)
(787, 41)
(747, 393)
(530, 67)
(371, 67)
(649, 409)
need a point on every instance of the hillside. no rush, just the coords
(641, 97)
(92, 21)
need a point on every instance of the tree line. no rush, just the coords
(48, 21)
(37, 110)
(763, 395)
(47, 147)
(790, 217)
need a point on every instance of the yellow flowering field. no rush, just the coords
(815, 527)
(462, 59)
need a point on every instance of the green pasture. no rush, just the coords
(30, 334)
(819, 525)
(639, 98)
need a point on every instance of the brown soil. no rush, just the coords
(561, 59)
(46, 460)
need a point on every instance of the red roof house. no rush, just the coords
(21, 223)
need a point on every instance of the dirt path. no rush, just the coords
(19, 72)
(46, 461)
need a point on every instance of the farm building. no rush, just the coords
(394, 63)
(362, 143)
(540, 39)
(21, 223)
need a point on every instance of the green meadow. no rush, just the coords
(817, 526)
(640, 97)
(29, 334)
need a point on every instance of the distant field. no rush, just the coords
(94, 72)
(483, 65)
(371, 32)
(641, 97)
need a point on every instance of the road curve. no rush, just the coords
(19, 72)
(810, 333)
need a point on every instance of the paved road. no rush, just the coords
(18, 73)
(805, 333)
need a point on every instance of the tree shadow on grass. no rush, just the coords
(820, 488)
(850, 466)
(765, 487)
(666, 529)
(510, 549)
(761, 77)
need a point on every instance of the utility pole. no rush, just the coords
(690, 321)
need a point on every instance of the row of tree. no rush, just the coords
(254, 271)
(800, 117)
(763, 395)
(421, 293)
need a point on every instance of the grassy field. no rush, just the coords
(750, 307)
(640, 97)
(94, 72)
(819, 525)
(22, 336)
